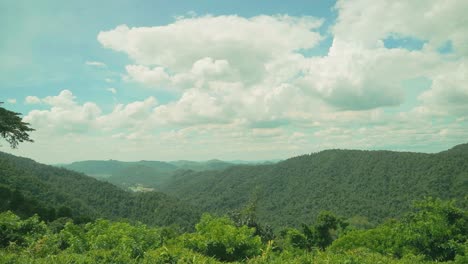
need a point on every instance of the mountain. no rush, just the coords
(372, 185)
(107, 168)
(139, 175)
(87, 197)
(213, 164)
(146, 174)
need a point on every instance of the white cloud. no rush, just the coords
(133, 116)
(432, 20)
(243, 87)
(150, 77)
(227, 39)
(223, 82)
(195, 107)
(32, 100)
(351, 77)
(358, 73)
(65, 115)
(64, 99)
(11, 101)
(96, 63)
(112, 90)
(449, 91)
(203, 72)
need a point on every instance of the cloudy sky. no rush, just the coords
(251, 80)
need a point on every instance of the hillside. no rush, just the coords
(372, 184)
(202, 165)
(108, 168)
(88, 197)
(149, 174)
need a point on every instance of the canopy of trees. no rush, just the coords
(434, 232)
(53, 215)
(86, 197)
(367, 185)
(12, 127)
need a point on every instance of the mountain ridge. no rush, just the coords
(375, 184)
(89, 197)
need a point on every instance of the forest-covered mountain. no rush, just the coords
(367, 186)
(59, 189)
(358, 185)
(363, 185)
(150, 174)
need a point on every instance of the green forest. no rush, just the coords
(376, 208)
(370, 185)
(334, 206)
(434, 231)
(150, 174)
(234, 132)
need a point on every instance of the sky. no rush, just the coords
(233, 80)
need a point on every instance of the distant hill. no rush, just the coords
(202, 165)
(145, 173)
(107, 168)
(372, 184)
(88, 197)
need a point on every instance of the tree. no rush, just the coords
(320, 235)
(220, 238)
(12, 127)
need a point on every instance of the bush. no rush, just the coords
(220, 238)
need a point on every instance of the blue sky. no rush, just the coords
(247, 80)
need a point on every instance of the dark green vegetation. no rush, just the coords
(434, 231)
(54, 192)
(150, 174)
(50, 215)
(12, 127)
(367, 186)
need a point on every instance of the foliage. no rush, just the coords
(436, 229)
(14, 232)
(29, 187)
(15, 201)
(372, 185)
(247, 216)
(434, 232)
(317, 236)
(220, 238)
(12, 128)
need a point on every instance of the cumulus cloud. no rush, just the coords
(351, 77)
(246, 85)
(223, 37)
(358, 73)
(152, 77)
(11, 101)
(208, 44)
(65, 114)
(215, 63)
(449, 91)
(134, 116)
(32, 100)
(434, 21)
(202, 73)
